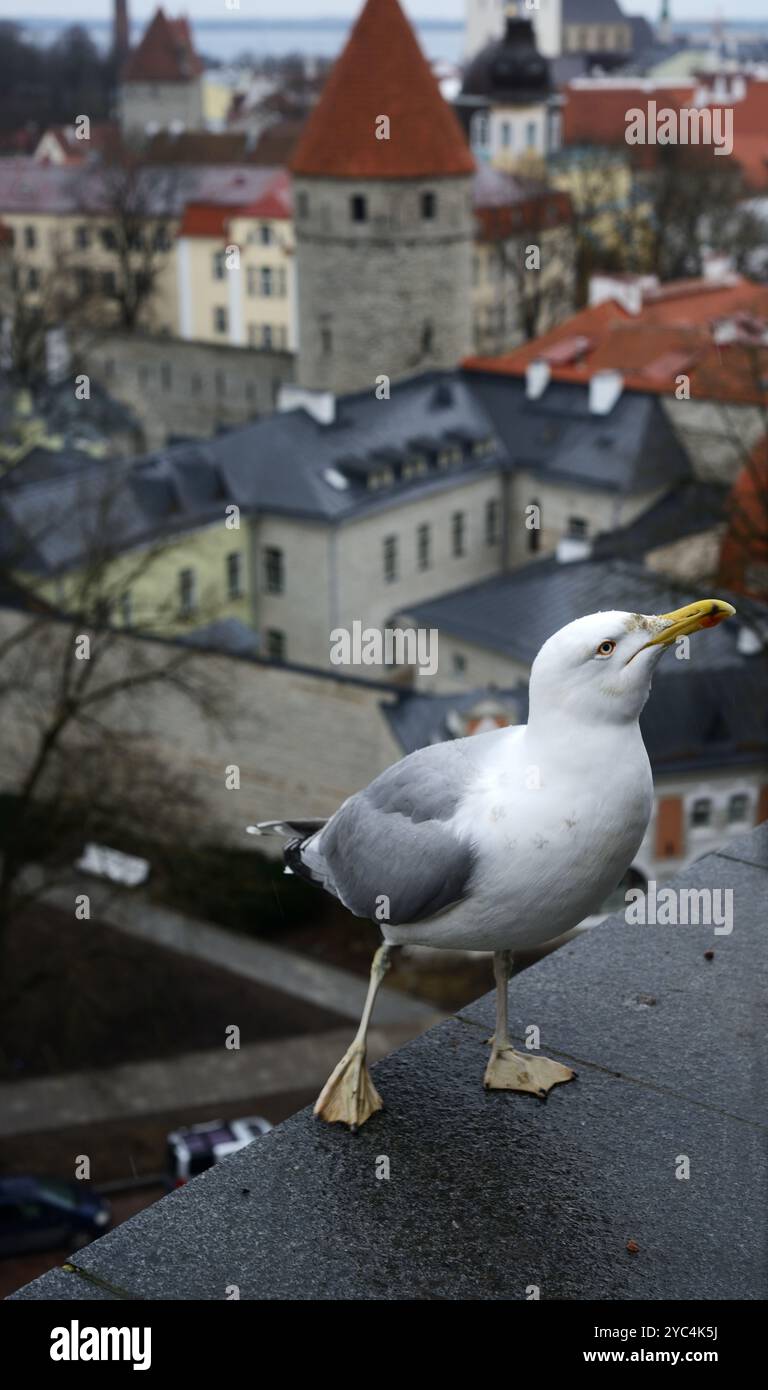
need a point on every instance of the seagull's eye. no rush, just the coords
(606, 648)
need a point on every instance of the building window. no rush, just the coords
(267, 337)
(219, 320)
(161, 240)
(429, 206)
(274, 570)
(82, 238)
(166, 377)
(265, 234)
(506, 135)
(492, 521)
(302, 204)
(276, 646)
(423, 547)
(219, 265)
(480, 131)
(235, 574)
(358, 205)
(108, 284)
(83, 281)
(187, 592)
(390, 559)
(33, 279)
(30, 237)
(530, 135)
(459, 663)
(126, 608)
(701, 813)
(738, 807)
(578, 528)
(427, 337)
(265, 280)
(282, 282)
(326, 340)
(108, 239)
(458, 533)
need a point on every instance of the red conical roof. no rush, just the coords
(382, 72)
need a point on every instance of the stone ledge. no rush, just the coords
(491, 1193)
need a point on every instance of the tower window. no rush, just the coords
(302, 204)
(427, 337)
(359, 207)
(326, 340)
(428, 206)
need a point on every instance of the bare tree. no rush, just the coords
(79, 762)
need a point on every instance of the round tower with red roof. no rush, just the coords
(383, 215)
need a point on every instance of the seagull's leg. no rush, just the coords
(349, 1094)
(508, 1070)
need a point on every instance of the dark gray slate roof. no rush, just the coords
(686, 511)
(491, 1192)
(592, 12)
(633, 449)
(290, 464)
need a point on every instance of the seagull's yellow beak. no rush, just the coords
(707, 612)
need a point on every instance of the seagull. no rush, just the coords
(503, 840)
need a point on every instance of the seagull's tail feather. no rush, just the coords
(288, 828)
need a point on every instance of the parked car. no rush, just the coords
(46, 1214)
(192, 1150)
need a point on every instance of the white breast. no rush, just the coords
(554, 827)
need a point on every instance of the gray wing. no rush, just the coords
(395, 840)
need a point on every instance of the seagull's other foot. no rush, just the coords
(508, 1070)
(349, 1096)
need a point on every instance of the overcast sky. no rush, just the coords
(299, 9)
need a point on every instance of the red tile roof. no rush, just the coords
(676, 331)
(382, 72)
(595, 114)
(535, 213)
(166, 53)
(211, 219)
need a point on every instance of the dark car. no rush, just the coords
(192, 1150)
(46, 1214)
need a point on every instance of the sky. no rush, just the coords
(299, 9)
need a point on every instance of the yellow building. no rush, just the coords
(236, 271)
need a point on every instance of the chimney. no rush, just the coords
(627, 290)
(121, 32)
(605, 389)
(537, 376)
(321, 405)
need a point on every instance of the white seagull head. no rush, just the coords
(598, 669)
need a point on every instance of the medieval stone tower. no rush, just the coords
(383, 216)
